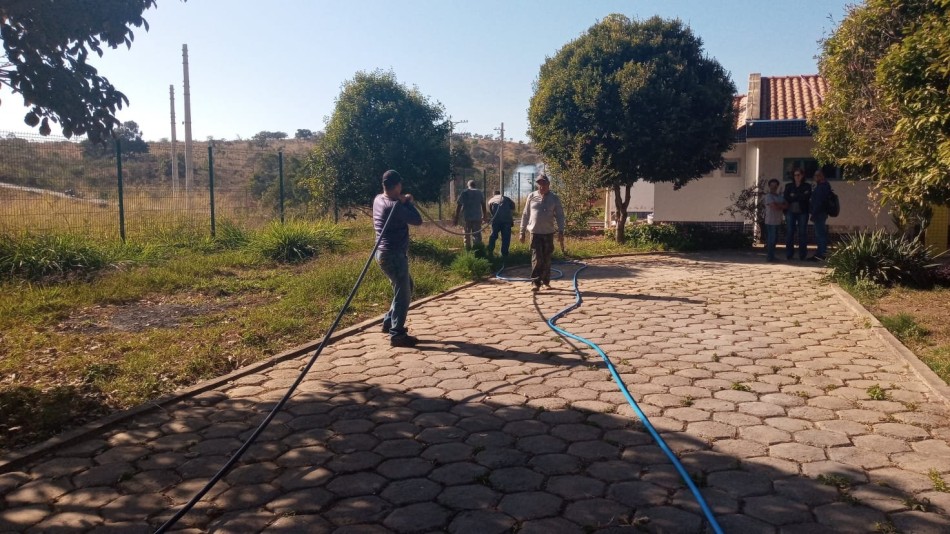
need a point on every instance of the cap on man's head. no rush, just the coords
(391, 178)
(542, 178)
(471, 184)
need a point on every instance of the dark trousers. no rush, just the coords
(821, 233)
(793, 222)
(542, 248)
(503, 228)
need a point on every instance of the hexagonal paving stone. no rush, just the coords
(530, 505)
(592, 513)
(845, 517)
(412, 490)
(416, 517)
(482, 522)
(776, 510)
(515, 479)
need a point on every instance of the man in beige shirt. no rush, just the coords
(543, 215)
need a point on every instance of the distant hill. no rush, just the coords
(485, 153)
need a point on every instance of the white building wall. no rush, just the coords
(857, 210)
(704, 200)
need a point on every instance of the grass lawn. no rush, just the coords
(179, 309)
(921, 320)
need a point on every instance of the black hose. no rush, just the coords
(280, 404)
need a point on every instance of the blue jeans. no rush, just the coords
(395, 265)
(791, 221)
(821, 233)
(503, 228)
(771, 238)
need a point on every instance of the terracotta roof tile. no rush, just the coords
(792, 97)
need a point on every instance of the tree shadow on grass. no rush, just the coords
(29, 415)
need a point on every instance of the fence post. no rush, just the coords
(519, 189)
(280, 175)
(118, 169)
(211, 182)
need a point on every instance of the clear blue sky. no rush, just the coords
(279, 66)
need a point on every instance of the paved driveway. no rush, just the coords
(758, 376)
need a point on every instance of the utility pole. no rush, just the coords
(189, 170)
(501, 161)
(171, 95)
(451, 170)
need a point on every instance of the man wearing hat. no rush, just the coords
(393, 253)
(542, 216)
(471, 205)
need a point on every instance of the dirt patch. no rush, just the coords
(138, 316)
(929, 311)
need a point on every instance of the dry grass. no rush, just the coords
(924, 325)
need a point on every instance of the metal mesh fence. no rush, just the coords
(50, 184)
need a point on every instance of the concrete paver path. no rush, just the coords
(757, 375)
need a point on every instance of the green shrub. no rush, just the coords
(296, 241)
(231, 236)
(685, 237)
(883, 259)
(470, 266)
(34, 257)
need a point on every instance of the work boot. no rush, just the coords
(403, 340)
(387, 325)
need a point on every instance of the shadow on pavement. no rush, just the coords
(364, 458)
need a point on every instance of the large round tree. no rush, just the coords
(380, 124)
(637, 99)
(887, 113)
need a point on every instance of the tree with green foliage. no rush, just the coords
(462, 160)
(129, 137)
(46, 45)
(641, 99)
(262, 137)
(265, 182)
(887, 113)
(303, 133)
(379, 124)
(578, 187)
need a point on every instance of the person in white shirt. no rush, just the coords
(774, 217)
(543, 215)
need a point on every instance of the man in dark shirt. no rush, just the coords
(471, 206)
(393, 253)
(819, 214)
(502, 211)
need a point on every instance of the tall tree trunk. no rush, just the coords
(620, 208)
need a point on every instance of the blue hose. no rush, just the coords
(626, 392)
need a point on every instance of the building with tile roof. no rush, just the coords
(773, 139)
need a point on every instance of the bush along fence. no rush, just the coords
(133, 188)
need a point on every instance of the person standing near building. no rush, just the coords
(543, 216)
(797, 195)
(471, 206)
(774, 206)
(393, 253)
(819, 214)
(502, 210)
